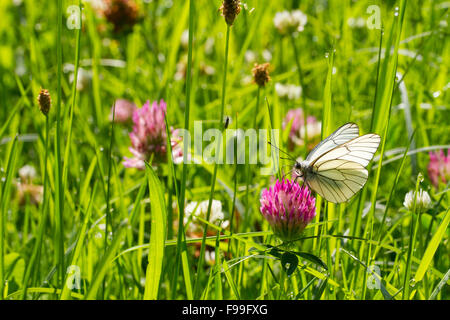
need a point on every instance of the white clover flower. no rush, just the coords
(210, 257)
(209, 45)
(184, 41)
(288, 22)
(267, 55)
(281, 90)
(194, 209)
(289, 91)
(298, 20)
(250, 56)
(27, 172)
(294, 92)
(282, 21)
(423, 200)
(83, 78)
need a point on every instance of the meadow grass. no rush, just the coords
(119, 232)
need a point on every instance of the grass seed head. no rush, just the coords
(230, 9)
(122, 14)
(261, 74)
(45, 101)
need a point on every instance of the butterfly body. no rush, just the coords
(335, 168)
(303, 169)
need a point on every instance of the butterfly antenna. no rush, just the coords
(284, 175)
(290, 157)
(286, 165)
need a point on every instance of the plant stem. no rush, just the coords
(5, 192)
(181, 242)
(247, 183)
(42, 223)
(412, 239)
(302, 84)
(216, 166)
(59, 196)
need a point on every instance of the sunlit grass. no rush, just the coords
(121, 226)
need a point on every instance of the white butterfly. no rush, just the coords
(335, 168)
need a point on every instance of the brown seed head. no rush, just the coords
(123, 14)
(45, 101)
(261, 74)
(230, 9)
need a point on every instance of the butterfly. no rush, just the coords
(335, 168)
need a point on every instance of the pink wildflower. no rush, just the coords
(149, 136)
(124, 111)
(439, 167)
(288, 208)
(297, 132)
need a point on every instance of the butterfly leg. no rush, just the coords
(293, 182)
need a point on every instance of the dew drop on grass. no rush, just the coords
(3, 179)
(101, 149)
(327, 55)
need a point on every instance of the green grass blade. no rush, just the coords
(66, 291)
(432, 247)
(440, 285)
(6, 187)
(105, 263)
(157, 236)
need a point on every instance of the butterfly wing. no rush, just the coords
(343, 134)
(359, 150)
(337, 180)
(339, 173)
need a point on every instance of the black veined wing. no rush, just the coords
(338, 180)
(339, 173)
(343, 134)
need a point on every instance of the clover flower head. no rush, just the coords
(149, 136)
(289, 91)
(195, 209)
(423, 201)
(297, 132)
(27, 173)
(439, 167)
(288, 208)
(124, 111)
(290, 21)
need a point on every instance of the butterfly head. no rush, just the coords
(302, 169)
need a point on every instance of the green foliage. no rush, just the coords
(122, 225)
